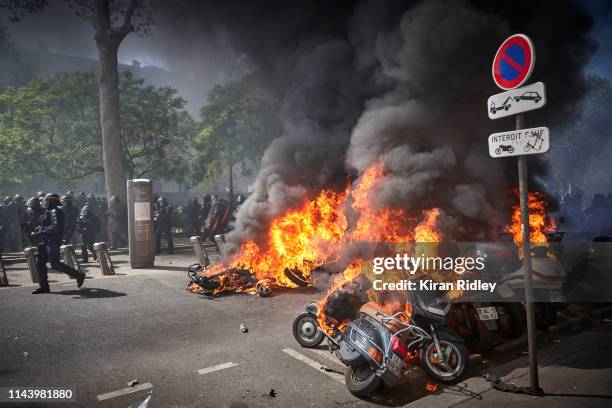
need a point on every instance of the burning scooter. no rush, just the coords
(380, 348)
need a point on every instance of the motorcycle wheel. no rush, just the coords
(306, 330)
(456, 357)
(511, 321)
(361, 380)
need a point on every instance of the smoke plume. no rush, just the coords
(408, 84)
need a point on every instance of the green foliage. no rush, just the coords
(156, 131)
(238, 123)
(51, 126)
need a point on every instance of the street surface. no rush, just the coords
(187, 349)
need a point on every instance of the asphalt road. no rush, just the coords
(148, 328)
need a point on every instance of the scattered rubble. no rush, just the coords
(132, 383)
(243, 328)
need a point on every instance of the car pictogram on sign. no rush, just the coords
(529, 96)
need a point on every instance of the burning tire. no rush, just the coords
(306, 330)
(296, 276)
(361, 380)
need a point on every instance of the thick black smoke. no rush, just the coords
(403, 82)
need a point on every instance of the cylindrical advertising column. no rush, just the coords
(140, 223)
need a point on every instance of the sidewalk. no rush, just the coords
(19, 275)
(576, 372)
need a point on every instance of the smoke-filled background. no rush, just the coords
(398, 81)
(406, 84)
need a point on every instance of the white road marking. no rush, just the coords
(217, 367)
(125, 391)
(326, 354)
(319, 367)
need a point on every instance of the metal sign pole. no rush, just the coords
(524, 201)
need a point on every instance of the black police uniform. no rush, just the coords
(88, 225)
(52, 232)
(163, 228)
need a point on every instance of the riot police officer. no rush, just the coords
(88, 225)
(52, 233)
(32, 219)
(163, 225)
(71, 213)
(192, 211)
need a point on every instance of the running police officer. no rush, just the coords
(52, 232)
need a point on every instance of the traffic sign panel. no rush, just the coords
(513, 62)
(519, 142)
(517, 100)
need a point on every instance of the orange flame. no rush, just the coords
(538, 220)
(328, 323)
(314, 233)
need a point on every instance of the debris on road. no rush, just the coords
(556, 341)
(272, 393)
(132, 383)
(25, 354)
(431, 387)
(243, 328)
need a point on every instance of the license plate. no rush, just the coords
(395, 364)
(487, 313)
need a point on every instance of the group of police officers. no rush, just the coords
(207, 218)
(47, 221)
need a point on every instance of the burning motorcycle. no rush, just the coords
(378, 348)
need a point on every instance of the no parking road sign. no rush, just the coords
(513, 62)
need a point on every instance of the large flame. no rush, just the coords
(300, 239)
(378, 224)
(314, 233)
(538, 220)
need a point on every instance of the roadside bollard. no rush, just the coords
(3, 277)
(104, 260)
(219, 241)
(30, 254)
(70, 257)
(201, 254)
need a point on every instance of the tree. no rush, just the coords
(52, 127)
(238, 123)
(105, 14)
(157, 132)
(112, 20)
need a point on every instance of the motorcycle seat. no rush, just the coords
(377, 313)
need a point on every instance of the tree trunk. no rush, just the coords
(112, 155)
